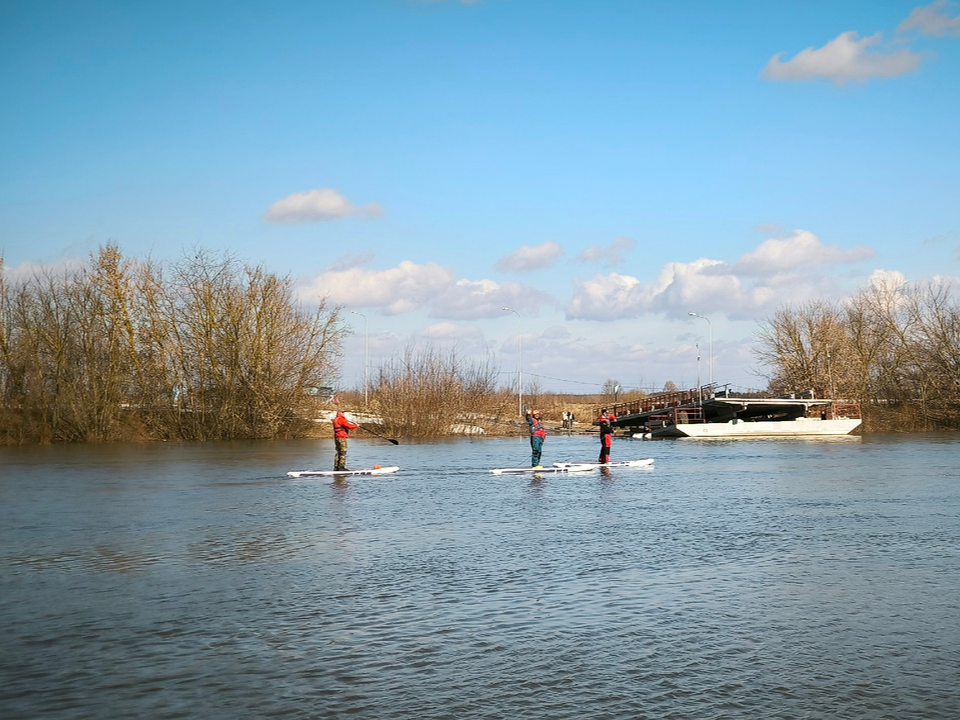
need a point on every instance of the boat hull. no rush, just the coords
(777, 428)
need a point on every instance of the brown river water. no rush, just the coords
(733, 579)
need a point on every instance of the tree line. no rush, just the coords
(207, 347)
(894, 348)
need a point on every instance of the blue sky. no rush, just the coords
(602, 167)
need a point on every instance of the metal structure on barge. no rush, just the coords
(704, 413)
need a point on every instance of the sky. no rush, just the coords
(601, 168)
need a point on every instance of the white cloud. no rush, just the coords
(887, 280)
(845, 58)
(475, 299)
(800, 249)
(29, 269)
(611, 254)
(400, 289)
(609, 297)
(556, 332)
(315, 206)
(777, 271)
(409, 286)
(349, 261)
(932, 19)
(527, 257)
(450, 331)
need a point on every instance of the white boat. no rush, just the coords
(578, 467)
(694, 415)
(342, 473)
(735, 428)
(623, 463)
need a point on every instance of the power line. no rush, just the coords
(576, 382)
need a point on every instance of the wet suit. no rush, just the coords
(606, 437)
(538, 434)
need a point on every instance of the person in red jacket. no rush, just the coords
(605, 421)
(341, 431)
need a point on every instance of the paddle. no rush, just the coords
(373, 432)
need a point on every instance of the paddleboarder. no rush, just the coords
(341, 431)
(605, 421)
(538, 433)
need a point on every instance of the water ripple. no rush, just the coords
(756, 580)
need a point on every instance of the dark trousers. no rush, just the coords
(536, 445)
(604, 449)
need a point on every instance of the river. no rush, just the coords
(733, 579)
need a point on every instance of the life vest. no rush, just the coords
(536, 428)
(342, 426)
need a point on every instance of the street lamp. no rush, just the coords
(710, 328)
(699, 384)
(520, 361)
(364, 355)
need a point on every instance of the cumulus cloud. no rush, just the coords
(410, 286)
(847, 57)
(887, 280)
(611, 254)
(450, 331)
(933, 19)
(315, 206)
(405, 287)
(800, 249)
(527, 257)
(778, 270)
(475, 299)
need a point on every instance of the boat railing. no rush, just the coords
(693, 396)
(688, 415)
(851, 411)
(659, 401)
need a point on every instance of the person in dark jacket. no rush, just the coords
(341, 431)
(538, 433)
(605, 421)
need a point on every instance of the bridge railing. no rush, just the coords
(659, 401)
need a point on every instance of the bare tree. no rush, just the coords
(117, 348)
(424, 393)
(895, 349)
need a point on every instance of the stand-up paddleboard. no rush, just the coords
(624, 463)
(341, 473)
(570, 467)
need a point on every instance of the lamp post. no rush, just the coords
(520, 360)
(364, 355)
(710, 330)
(699, 384)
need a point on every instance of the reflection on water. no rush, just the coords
(793, 578)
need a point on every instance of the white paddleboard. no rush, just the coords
(623, 463)
(571, 467)
(341, 473)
